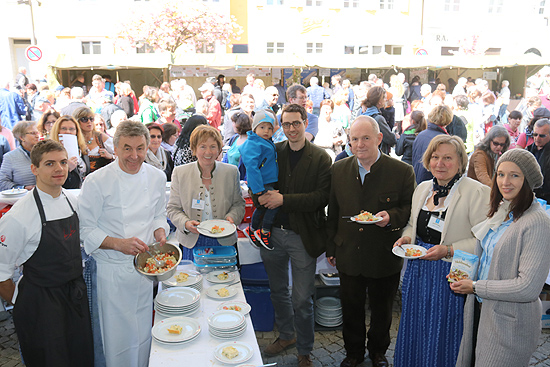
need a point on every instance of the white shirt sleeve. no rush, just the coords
(90, 208)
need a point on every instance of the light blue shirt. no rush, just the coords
(362, 170)
(488, 244)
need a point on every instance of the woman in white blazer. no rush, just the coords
(443, 212)
(203, 190)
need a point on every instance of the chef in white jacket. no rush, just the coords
(122, 209)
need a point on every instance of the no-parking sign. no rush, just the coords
(33, 53)
(421, 52)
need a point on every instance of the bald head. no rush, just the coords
(363, 119)
(365, 137)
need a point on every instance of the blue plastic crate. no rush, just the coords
(215, 256)
(262, 313)
(254, 274)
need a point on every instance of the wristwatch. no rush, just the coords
(474, 287)
(449, 256)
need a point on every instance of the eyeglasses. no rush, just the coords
(275, 95)
(35, 133)
(156, 136)
(294, 124)
(301, 98)
(69, 129)
(498, 144)
(542, 136)
(49, 123)
(86, 119)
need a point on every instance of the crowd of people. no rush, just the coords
(469, 179)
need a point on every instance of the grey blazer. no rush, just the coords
(225, 196)
(509, 325)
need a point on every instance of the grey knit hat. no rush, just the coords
(263, 116)
(526, 161)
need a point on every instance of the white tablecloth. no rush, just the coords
(200, 352)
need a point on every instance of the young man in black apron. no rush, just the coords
(41, 232)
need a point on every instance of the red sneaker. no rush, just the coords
(250, 235)
(263, 238)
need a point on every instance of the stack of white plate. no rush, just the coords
(328, 312)
(193, 281)
(177, 301)
(226, 324)
(190, 330)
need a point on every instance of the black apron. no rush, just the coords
(51, 314)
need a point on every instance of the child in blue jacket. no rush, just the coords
(259, 156)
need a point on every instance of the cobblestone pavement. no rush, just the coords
(328, 349)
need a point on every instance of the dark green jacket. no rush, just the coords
(366, 249)
(305, 193)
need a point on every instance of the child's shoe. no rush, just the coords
(263, 238)
(249, 233)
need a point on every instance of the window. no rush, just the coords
(495, 6)
(316, 48)
(452, 5)
(386, 4)
(363, 50)
(449, 51)
(314, 2)
(275, 47)
(145, 49)
(541, 7)
(351, 3)
(376, 50)
(275, 2)
(393, 50)
(349, 50)
(208, 48)
(91, 48)
(492, 51)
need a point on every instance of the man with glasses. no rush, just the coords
(298, 233)
(298, 94)
(541, 151)
(271, 95)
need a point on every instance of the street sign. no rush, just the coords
(33, 53)
(421, 52)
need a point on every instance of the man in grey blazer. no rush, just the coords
(375, 182)
(298, 233)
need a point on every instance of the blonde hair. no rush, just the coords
(440, 115)
(452, 140)
(54, 132)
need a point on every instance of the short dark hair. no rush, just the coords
(519, 204)
(243, 122)
(293, 89)
(515, 115)
(43, 147)
(462, 101)
(294, 108)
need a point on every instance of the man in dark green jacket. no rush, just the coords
(298, 233)
(374, 182)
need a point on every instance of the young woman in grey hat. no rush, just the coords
(514, 254)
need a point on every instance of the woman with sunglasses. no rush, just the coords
(483, 160)
(100, 145)
(79, 166)
(15, 172)
(156, 155)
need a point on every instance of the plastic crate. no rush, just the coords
(262, 313)
(217, 256)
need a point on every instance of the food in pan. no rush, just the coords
(152, 268)
(230, 352)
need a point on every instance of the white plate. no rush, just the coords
(378, 219)
(228, 227)
(191, 280)
(400, 251)
(226, 320)
(245, 307)
(178, 297)
(245, 352)
(232, 336)
(212, 292)
(191, 328)
(212, 277)
(14, 192)
(329, 303)
(175, 314)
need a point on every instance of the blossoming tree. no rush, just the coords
(174, 23)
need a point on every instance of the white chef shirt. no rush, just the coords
(21, 228)
(121, 205)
